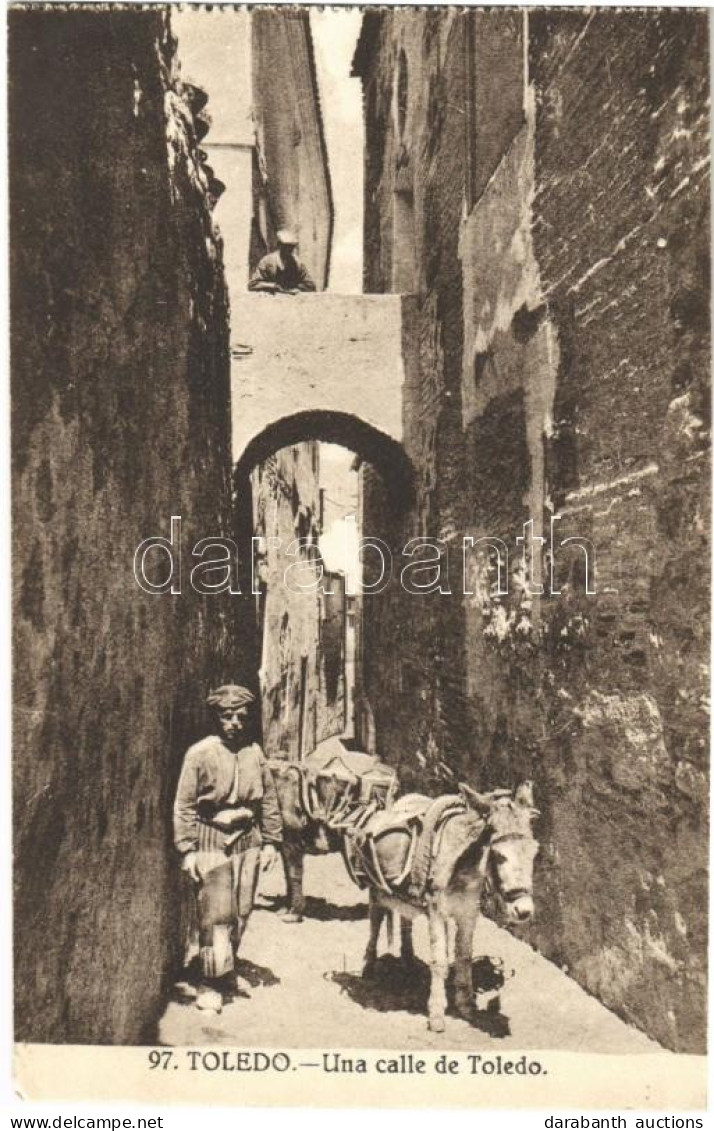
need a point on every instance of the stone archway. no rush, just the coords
(385, 454)
(322, 366)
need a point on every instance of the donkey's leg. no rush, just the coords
(438, 946)
(450, 940)
(407, 940)
(390, 918)
(376, 914)
(464, 999)
(294, 860)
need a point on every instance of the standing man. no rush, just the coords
(281, 272)
(226, 817)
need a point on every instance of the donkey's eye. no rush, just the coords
(499, 857)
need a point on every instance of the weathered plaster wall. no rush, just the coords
(564, 344)
(121, 419)
(302, 702)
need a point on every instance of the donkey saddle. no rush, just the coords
(334, 788)
(395, 849)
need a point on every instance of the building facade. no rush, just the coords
(300, 607)
(539, 182)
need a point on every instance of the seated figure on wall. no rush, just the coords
(226, 818)
(281, 272)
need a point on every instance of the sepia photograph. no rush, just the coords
(360, 438)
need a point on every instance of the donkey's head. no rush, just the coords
(297, 806)
(287, 778)
(511, 847)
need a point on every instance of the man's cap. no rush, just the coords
(229, 697)
(288, 237)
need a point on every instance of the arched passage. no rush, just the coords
(271, 511)
(309, 369)
(386, 455)
(328, 367)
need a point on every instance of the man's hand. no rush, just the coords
(269, 856)
(189, 865)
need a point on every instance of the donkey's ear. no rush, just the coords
(478, 801)
(524, 794)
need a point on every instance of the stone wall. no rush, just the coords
(561, 276)
(120, 419)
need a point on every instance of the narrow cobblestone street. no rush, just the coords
(304, 989)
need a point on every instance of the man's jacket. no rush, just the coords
(213, 780)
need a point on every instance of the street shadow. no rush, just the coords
(269, 902)
(318, 908)
(184, 990)
(254, 974)
(393, 985)
(249, 973)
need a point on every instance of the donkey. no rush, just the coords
(302, 835)
(489, 841)
(317, 799)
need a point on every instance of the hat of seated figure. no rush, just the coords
(287, 237)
